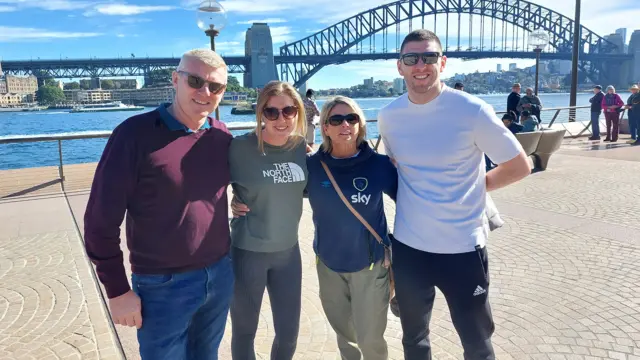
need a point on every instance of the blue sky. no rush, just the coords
(158, 28)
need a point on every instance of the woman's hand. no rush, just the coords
(238, 209)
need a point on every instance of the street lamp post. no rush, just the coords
(539, 39)
(577, 34)
(212, 17)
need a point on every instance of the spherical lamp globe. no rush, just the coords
(212, 17)
(539, 39)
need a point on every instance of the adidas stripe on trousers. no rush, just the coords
(463, 279)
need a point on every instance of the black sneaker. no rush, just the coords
(594, 138)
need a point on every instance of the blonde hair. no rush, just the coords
(209, 57)
(324, 118)
(277, 88)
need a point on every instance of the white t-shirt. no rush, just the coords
(439, 147)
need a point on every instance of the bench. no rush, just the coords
(539, 146)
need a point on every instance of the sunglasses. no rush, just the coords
(337, 120)
(272, 113)
(428, 58)
(196, 82)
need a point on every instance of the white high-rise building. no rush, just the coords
(398, 85)
(499, 68)
(623, 33)
(513, 66)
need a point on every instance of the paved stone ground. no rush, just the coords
(50, 307)
(565, 283)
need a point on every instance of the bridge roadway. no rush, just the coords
(564, 269)
(63, 68)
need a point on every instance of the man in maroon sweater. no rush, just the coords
(167, 170)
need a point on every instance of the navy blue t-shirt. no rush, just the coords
(341, 241)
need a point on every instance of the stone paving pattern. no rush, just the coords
(50, 306)
(565, 281)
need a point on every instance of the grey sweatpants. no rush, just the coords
(281, 274)
(356, 305)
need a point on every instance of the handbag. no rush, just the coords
(387, 250)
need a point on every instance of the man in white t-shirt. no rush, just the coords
(438, 137)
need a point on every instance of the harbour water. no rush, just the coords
(15, 156)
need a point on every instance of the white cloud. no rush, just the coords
(134, 20)
(121, 35)
(268, 21)
(280, 34)
(49, 4)
(379, 70)
(10, 34)
(127, 10)
(246, 6)
(7, 8)
(228, 48)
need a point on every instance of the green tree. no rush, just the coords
(160, 76)
(72, 85)
(107, 84)
(50, 82)
(233, 84)
(50, 95)
(85, 84)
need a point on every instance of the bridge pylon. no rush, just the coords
(259, 46)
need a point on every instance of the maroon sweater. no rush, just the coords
(172, 184)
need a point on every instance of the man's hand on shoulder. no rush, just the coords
(508, 172)
(126, 309)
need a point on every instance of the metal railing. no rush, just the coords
(59, 138)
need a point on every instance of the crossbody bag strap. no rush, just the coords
(346, 202)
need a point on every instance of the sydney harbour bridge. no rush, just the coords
(468, 29)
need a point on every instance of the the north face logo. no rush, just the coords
(285, 173)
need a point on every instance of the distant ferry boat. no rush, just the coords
(114, 106)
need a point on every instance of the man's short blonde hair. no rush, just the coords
(209, 57)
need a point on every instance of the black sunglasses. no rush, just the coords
(196, 82)
(337, 120)
(428, 58)
(273, 113)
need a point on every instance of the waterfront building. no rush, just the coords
(151, 96)
(398, 85)
(23, 85)
(623, 34)
(9, 99)
(368, 83)
(88, 96)
(126, 83)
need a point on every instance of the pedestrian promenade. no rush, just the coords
(565, 280)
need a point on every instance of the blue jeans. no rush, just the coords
(595, 124)
(184, 314)
(634, 118)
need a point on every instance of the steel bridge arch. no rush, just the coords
(344, 35)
